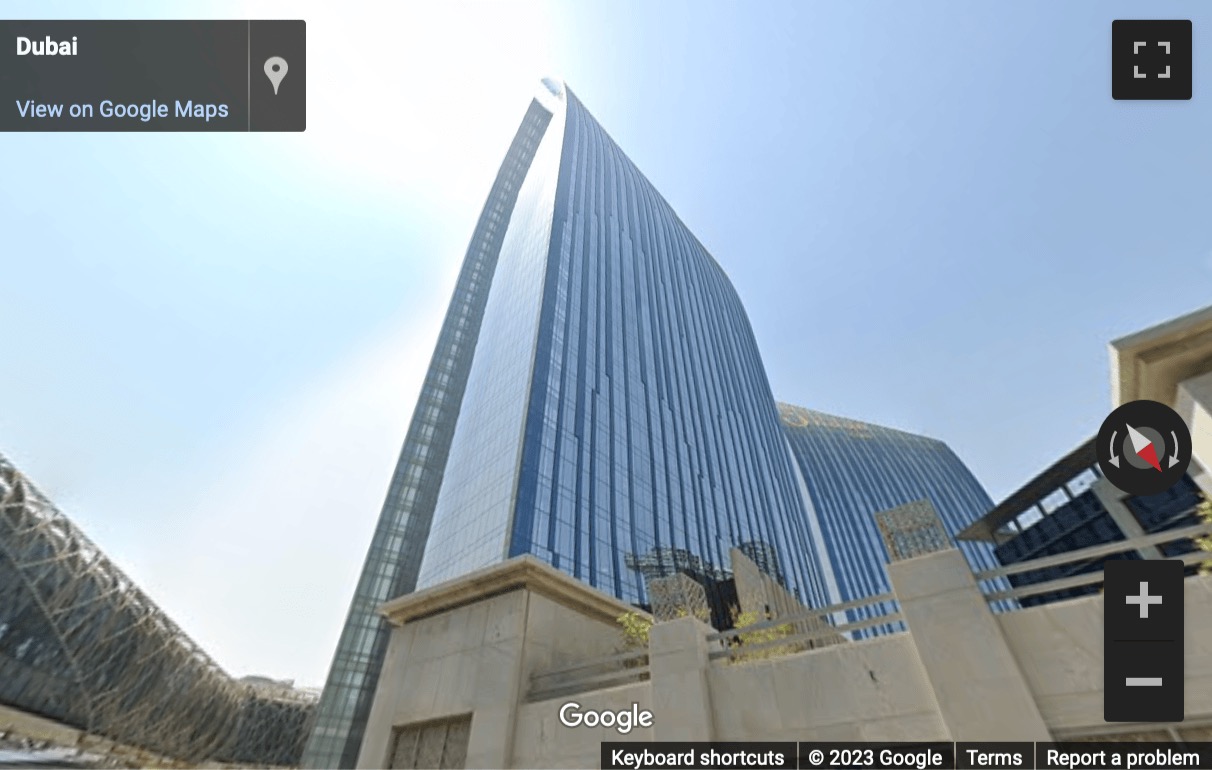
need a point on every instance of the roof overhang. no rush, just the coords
(1151, 363)
(1057, 475)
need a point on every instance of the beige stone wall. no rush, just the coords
(976, 679)
(959, 673)
(540, 741)
(869, 690)
(467, 660)
(477, 658)
(558, 637)
(1060, 649)
(1194, 403)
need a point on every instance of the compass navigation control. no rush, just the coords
(1144, 447)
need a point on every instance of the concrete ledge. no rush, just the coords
(959, 673)
(1150, 363)
(520, 572)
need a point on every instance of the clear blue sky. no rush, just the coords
(934, 212)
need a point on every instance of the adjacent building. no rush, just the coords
(1171, 363)
(855, 470)
(1070, 506)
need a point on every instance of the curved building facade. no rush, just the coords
(596, 400)
(855, 470)
(617, 404)
(80, 644)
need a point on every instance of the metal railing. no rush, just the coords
(806, 630)
(1087, 555)
(814, 628)
(609, 671)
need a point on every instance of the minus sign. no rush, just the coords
(1144, 681)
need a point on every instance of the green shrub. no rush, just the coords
(702, 614)
(759, 636)
(634, 628)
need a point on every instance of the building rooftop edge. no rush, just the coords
(520, 572)
(1162, 332)
(1150, 363)
(780, 404)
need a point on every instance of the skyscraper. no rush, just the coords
(855, 470)
(596, 399)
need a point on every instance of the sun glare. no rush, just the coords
(459, 75)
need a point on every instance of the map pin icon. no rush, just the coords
(275, 70)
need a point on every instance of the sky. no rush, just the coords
(934, 212)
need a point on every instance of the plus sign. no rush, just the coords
(1144, 600)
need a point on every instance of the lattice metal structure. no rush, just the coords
(666, 561)
(677, 596)
(912, 529)
(82, 645)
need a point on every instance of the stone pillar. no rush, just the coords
(500, 689)
(979, 688)
(677, 666)
(1113, 500)
(762, 595)
(377, 739)
(1194, 404)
